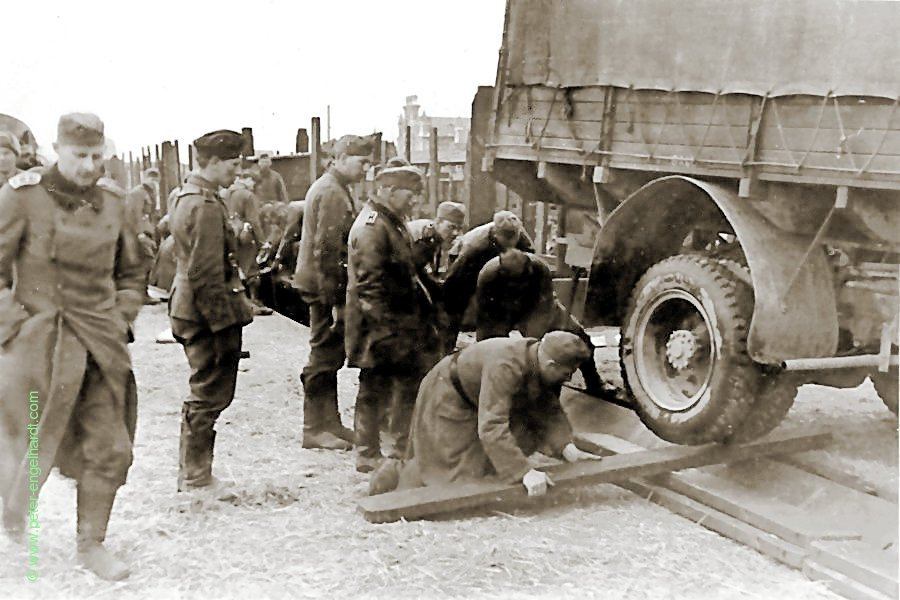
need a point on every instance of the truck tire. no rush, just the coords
(684, 350)
(886, 386)
(775, 396)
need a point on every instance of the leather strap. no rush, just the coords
(454, 379)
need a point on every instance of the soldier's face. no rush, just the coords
(448, 230)
(7, 160)
(554, 373)
(401, 200)
(265, 163)
(224, 170)
(352, 168)
(82, 165)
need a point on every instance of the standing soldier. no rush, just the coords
(70, 287)
(208, 307)
(9, 154)
(321, 277)
(140, 204)
(271, 186)
(384, 320)
(243, 214)
(432, 237)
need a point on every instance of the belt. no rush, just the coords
(454, 379)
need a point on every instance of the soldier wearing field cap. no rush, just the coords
(472, 250)
(208, 307)
(9, 154)
(432, 237)
(321, 278)
(270, 187)
(490, 410)
(385, 318)
(71, 282)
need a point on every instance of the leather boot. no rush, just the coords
(386, 477)
(365, 422)
(331, 416)
(400, 422)
(95, 500)
(315, 433)
(195, 456)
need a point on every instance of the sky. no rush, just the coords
(164, 69)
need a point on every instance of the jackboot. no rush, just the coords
(368, 440)
(195, 456)
(95, 500)
(315, 434)
(400, 422)
(331, 416)
(386, 477)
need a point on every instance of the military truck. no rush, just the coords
(743, 159)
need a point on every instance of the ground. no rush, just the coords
(294, 531)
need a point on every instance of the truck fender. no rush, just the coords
(790, 318)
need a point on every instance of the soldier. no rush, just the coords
(141, 207)
(473, 250)
(384, 320)
(321, 277)
(243, 214)
(9, 154)
(286, 252)
(515, 291)
(433, 237)
(70, 287)
(490, 410)
(208, 307)
(271, 186)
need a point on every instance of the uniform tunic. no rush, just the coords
(243, 208)
(271, 188)
(71, 284)
(507, 413)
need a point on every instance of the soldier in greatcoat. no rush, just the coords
(71, 284)
(384, 317)
(321, 278)
(208, 307)
(487, 411)
(515, 291)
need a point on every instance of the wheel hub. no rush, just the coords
(680, 348)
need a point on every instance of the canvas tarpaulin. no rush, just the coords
(774, 47)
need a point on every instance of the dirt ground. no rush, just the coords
(293, 530)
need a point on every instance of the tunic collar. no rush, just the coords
(69, 196)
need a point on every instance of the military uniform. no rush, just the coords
(321, 278)
(11, 143)
(474, 249)
(243, 209)
(286, 252)
(525, 300)
(207, 310)
(141, 205)
(71, 285)
(481, 413)
(384, 325)
(270, 187)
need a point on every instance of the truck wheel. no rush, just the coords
(774, 398)
(886, 386)
(684, 350)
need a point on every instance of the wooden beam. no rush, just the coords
(434, 172)
(407, 144)
(422, 502)
(315, 149)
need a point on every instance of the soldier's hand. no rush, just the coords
(573, 454)
(536, 482)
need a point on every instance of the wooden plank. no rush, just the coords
(422, 502)
(861, 143)
(849, 480)
(841, 584)
(723, 524)
(877, 567)
(805, 111)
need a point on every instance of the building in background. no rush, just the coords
(453, 134)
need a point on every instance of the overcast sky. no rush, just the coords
(177, 69)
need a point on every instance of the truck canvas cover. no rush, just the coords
(759, 47)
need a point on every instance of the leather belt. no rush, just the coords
(454, 379)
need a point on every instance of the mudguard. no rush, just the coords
(790, 319)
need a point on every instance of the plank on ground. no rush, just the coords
(425, 501)
(840, 583)
(861, 562)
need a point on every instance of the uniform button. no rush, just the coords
(235, 290)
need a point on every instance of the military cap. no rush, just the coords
(565, 348)
(265, 155)
(152, 172)
(223, 143)
(453, 212)
(409, 178)
(396, 161)
(506, 223)
(8, 140)
(80, 129)
(353, 145)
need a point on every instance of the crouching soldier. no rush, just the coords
(71, 284)
(484, 411)
(515, 291)
(432, 238)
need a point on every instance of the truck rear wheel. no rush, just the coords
(887, 387)
(775, 396)
(684, 350)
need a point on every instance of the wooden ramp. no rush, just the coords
(423, 502)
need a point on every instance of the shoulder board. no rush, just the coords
(23, 179)
(191, 189)
(371, 217)
(109, 185)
